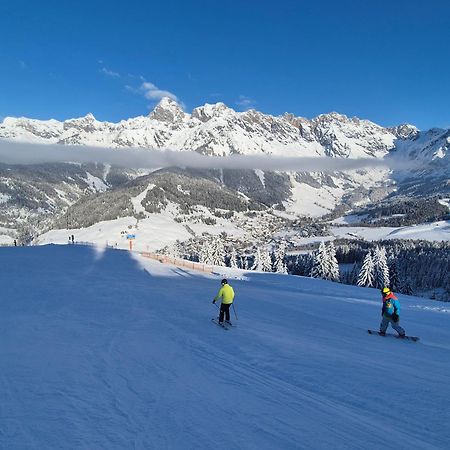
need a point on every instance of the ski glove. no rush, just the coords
(395, 317)
(214, 301)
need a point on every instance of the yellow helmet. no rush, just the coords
(385, 290)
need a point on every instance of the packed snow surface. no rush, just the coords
(104, 349)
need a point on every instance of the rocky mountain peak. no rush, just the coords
(333, 117)
(88, 123)
(208, 111)
(168, 110)
(405, 131)
(89, 117)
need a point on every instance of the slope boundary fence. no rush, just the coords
(178, 262)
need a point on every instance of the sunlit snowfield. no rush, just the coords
(107, 350)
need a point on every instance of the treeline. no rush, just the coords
(415, 267)
(407, 266)
(404, 213)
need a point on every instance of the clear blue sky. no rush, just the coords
(387, 61)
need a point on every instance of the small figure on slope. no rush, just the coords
(226, 293)
(390, 313)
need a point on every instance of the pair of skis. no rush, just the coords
(224, 325)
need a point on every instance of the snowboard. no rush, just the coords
(409, 338)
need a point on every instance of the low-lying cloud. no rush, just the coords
(28, 154)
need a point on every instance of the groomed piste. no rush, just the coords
(103, 349)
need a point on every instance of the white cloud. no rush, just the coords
(245, 102)
(152, 92)
(109, 73)
(147, 89)
(25, 153)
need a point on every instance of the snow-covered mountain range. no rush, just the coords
(221, 131)
(218, 130)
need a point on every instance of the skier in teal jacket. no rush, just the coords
(390, 313)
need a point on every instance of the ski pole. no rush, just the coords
(216, 306)
(235, 315)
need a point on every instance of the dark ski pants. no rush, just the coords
(224, 310)
(385, 321)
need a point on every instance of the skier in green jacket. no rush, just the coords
(226, 293)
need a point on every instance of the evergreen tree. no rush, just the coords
(394, 277)
(280, 256)
(217, 252)
(365, 277)
(304, 264)
(266, 261)
(175, 250)
(320, 263)
(380, 267)
(233, 258)
(406, 287)
(352, 276)
(447, 289)
(257, 264)
(332, 264)
(205, 255)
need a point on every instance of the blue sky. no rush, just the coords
(387, 61)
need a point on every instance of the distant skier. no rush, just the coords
(226, 293)
(390, 313)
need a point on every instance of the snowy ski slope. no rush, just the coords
(107, 350)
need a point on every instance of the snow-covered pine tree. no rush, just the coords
(233, 258)
(320, 264)
(380, 268)
(266, 261)
(280, 256)
(257, 265)
(332, 264)
(365, 277)
(174, 250)
(217, 252)
(205, 255)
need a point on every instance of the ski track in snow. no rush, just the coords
(109, 351)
